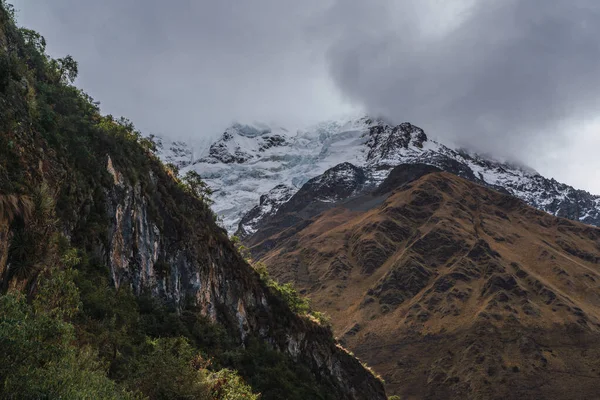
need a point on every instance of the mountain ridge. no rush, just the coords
(447, 288)
(247, 162)
(116, 281)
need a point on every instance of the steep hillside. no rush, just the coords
(108, 244)
(447, 288)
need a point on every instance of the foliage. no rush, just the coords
(321, 318)
(30, 246)
(168, 368)
(67, 68)
(148, 143)
(288, 293)
(273, 374)
(44, 357)
(297, 303)
(173, 169)
(57, 294)
(244, 251)
(227, 385)
(75, 335)
(196, 186)
(38, 359)
(10, 9)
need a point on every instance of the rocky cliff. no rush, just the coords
(71, 178)
(201, 268)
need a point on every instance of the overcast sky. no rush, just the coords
(515, 78)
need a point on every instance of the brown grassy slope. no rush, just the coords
(452, 290)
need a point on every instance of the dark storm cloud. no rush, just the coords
(515, 78)
(498, 75)
(188, 68)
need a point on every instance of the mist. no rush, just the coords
(517, 79)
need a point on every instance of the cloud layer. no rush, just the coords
(189, 68)
(515, 78)
(498, 75)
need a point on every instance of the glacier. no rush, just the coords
(254, 168)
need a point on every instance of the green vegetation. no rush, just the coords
(65, 331)
(287, 292)
(38, 359)
(44, 355)
(196, 186)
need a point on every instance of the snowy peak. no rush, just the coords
(242, 143)
(254, 169)
(268, 206)
(248, 130)
(340, 182)
(385, 141)
(177, 153)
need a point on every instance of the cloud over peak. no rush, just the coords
(495, 75)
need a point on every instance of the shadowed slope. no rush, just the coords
(452, 290)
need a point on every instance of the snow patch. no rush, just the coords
(253, 169)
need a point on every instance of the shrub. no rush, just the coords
(166, 370)
(288, 293)
(39, 360)
(227, 385)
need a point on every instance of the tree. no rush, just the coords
(10, 10)
(169, 368)
(149, 143)
(57, 294)
(173, 168)
(228, 385)
(197, 186)
(34, 39)
(67, 68)
(39, 359)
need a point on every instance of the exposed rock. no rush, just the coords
(207, 272)
(267, 207)
(247, 161)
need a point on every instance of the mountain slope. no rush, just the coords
(449, 289)
(246, 162)
(107, 244)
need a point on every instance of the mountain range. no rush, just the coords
(116, 281)
(454, 275)
(447, 288)
(254, 169)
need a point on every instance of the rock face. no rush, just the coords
(268, 205)
(202, 268)
(386, 141)
(447, 288)
(161, 240)
(247, 162)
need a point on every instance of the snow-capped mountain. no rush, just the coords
(254, 169)
(178, 153)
